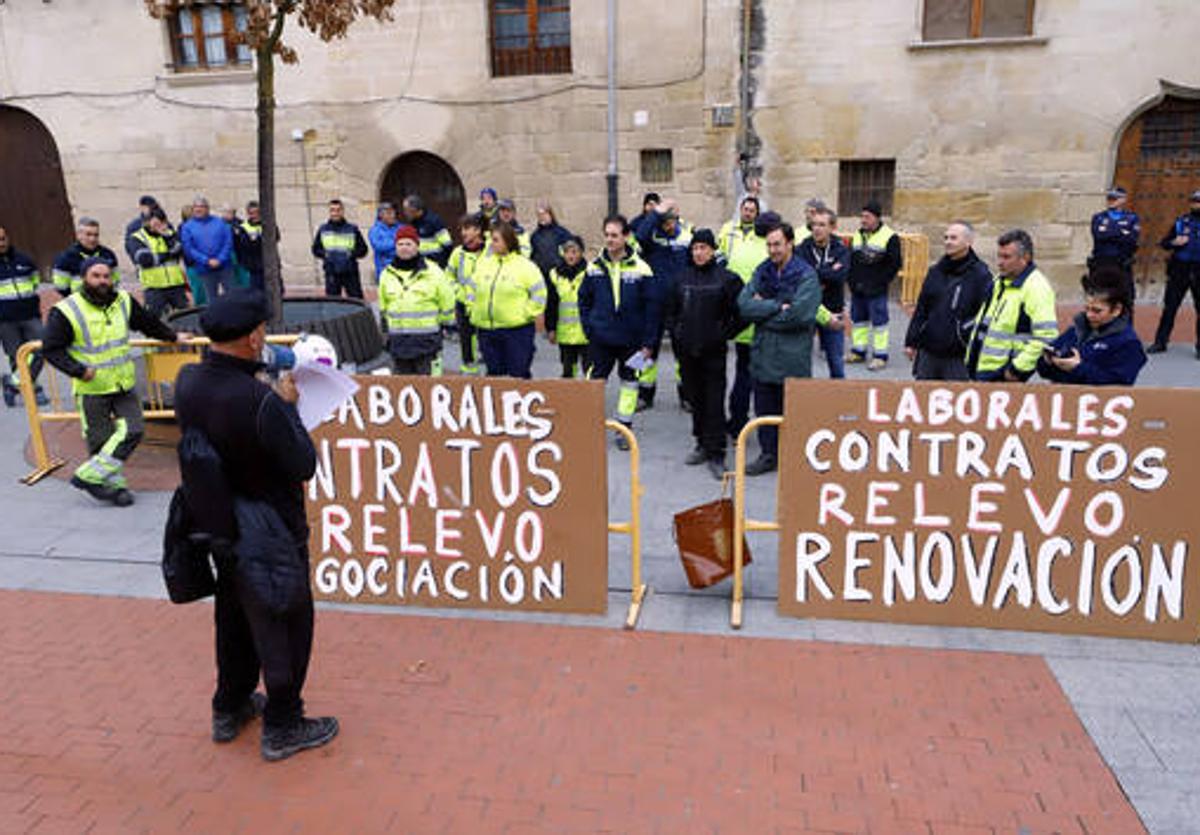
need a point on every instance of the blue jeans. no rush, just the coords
(833, 343)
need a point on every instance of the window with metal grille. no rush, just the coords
(657, 165)
(530, 37)
(1172, 129)
(953, 20)
(863, 180)
(204, 37)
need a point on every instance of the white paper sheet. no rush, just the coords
(322, 389)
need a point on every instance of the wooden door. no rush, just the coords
(33, 198)
(432, 179)
(1158, 163)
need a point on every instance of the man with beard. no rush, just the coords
(954, 290)
(87, 338)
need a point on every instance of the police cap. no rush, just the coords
(234, 314)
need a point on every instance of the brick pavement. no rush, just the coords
(464, 726)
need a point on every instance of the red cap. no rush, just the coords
(408, 231)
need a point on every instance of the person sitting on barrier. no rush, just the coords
(87, 338)
(1101, 347)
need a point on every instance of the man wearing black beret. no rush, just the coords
(266, 456)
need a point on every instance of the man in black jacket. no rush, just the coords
(339, 245)
(267, 456)
(702, 315)
(824, 251)
(954, 290)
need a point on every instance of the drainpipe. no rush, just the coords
(744, 108)
(612, 108)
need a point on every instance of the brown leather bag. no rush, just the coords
(704, 535)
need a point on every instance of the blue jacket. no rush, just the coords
(383, 242)
(666, 255)
(19, 267)
(636, 322)
(1115, 234)
(1111, 356)
(1189, 225)
(204, 239)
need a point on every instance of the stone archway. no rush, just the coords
(1158, 163)
(430, 177)
(33, 199)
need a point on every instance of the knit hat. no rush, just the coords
(408, 231)
(488, 191)
(574, 240)
(147, 200)
(766, 222)
(88, 263)
(873, 207)
(651, 197)
(507, 203)
(704, 236)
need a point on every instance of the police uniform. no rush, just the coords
(160, 270)
(1183, 274)
(1115, 234)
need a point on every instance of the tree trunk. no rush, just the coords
(272, 271)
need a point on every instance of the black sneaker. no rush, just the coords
(1155, 348)
(622, 443)
(96, 491)
(761, 465)
(225, 726)
(300, 736)
(122, 498)
(696, 457)
(716, 467)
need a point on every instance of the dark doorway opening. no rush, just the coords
(33, 200)
(1158, 163)
(430, 177)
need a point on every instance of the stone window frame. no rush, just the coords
(976, 38)
(242, 58)
(533, 58)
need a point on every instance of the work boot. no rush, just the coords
(695, 457)
(10, 394)
(877, 364)
(39, 395)
(761, 465)
(1156, 348)
(225, 725)
(102, 492)
(622, 443)
(716, 467)
(855, 357)
(122, 497)
(279, 744)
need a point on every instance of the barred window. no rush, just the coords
(530, 37)
(862, 180)
(203, 37)
(657, 165)
(952, 20)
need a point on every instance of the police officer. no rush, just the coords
(436, 242)
(461, 270)
(743, 245)
(339, 245)
(563, 326)
(1019, 319)
(20, 315)
(267, 456)
(875, 260)
(87, 338)
(416, 300)
(158, 254)
(1183, 274)
(509, 295)
(1115, 233)
(621, 311)
(68, 266)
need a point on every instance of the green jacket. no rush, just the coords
(783, 339)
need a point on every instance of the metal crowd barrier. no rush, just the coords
(633, 527)
(914, 248)
(740, 523)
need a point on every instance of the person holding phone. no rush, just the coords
(1101, 347)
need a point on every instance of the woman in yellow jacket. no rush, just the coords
(508, 296)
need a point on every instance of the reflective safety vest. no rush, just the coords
(461, 268)
(415, 302)
(509, 292)
(253, 230)
(337, 242)
(1012, 330)
(66, 275)
(167, 271)
(434, 244)
(18, 279)
(570, 327)
(874, 245)
(101, 342)
(744, 249)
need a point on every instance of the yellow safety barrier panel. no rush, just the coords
(633, 527)
(740, 523)
(914, 249)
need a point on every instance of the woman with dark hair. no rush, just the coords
(547, 239)
(1101, 347)
(508, 296)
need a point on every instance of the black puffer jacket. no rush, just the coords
(950, 298)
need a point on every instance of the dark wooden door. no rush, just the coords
(432, 179)
(1158, 163)
(33, 198)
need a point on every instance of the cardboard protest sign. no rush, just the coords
(469, 493)
(1050, 508)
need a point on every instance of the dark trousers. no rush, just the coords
(768, 400)
(217, 281)
(704, 389)
(15, 334)
(507, 352)
(335, 283)
(929, 366)
(1182, 278)
(833, 344)
(101, 415)
(159, 300)
(419, 366)
(257, 280)
(743, 385)
(573, 359)
(466, 333)
(250, 641)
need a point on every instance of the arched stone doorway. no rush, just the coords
(430, 177)
(1158, 163)
(33, 199)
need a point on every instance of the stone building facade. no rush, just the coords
(1023, 130)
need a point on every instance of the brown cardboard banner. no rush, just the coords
(467, 493)
(1035, 507)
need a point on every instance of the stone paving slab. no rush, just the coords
(458, 725)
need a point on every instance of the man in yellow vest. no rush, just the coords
(875, 260)
(158, 254)
(1020, 319)
(415, 300)
(743, 246)
(460, 269)
(563, 325)
(87, 338)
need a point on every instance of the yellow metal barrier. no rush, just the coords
(914, 248)
(634, 526)
(740, 523)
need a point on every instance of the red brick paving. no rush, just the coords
(460, 726)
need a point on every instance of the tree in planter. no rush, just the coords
(265, 19)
